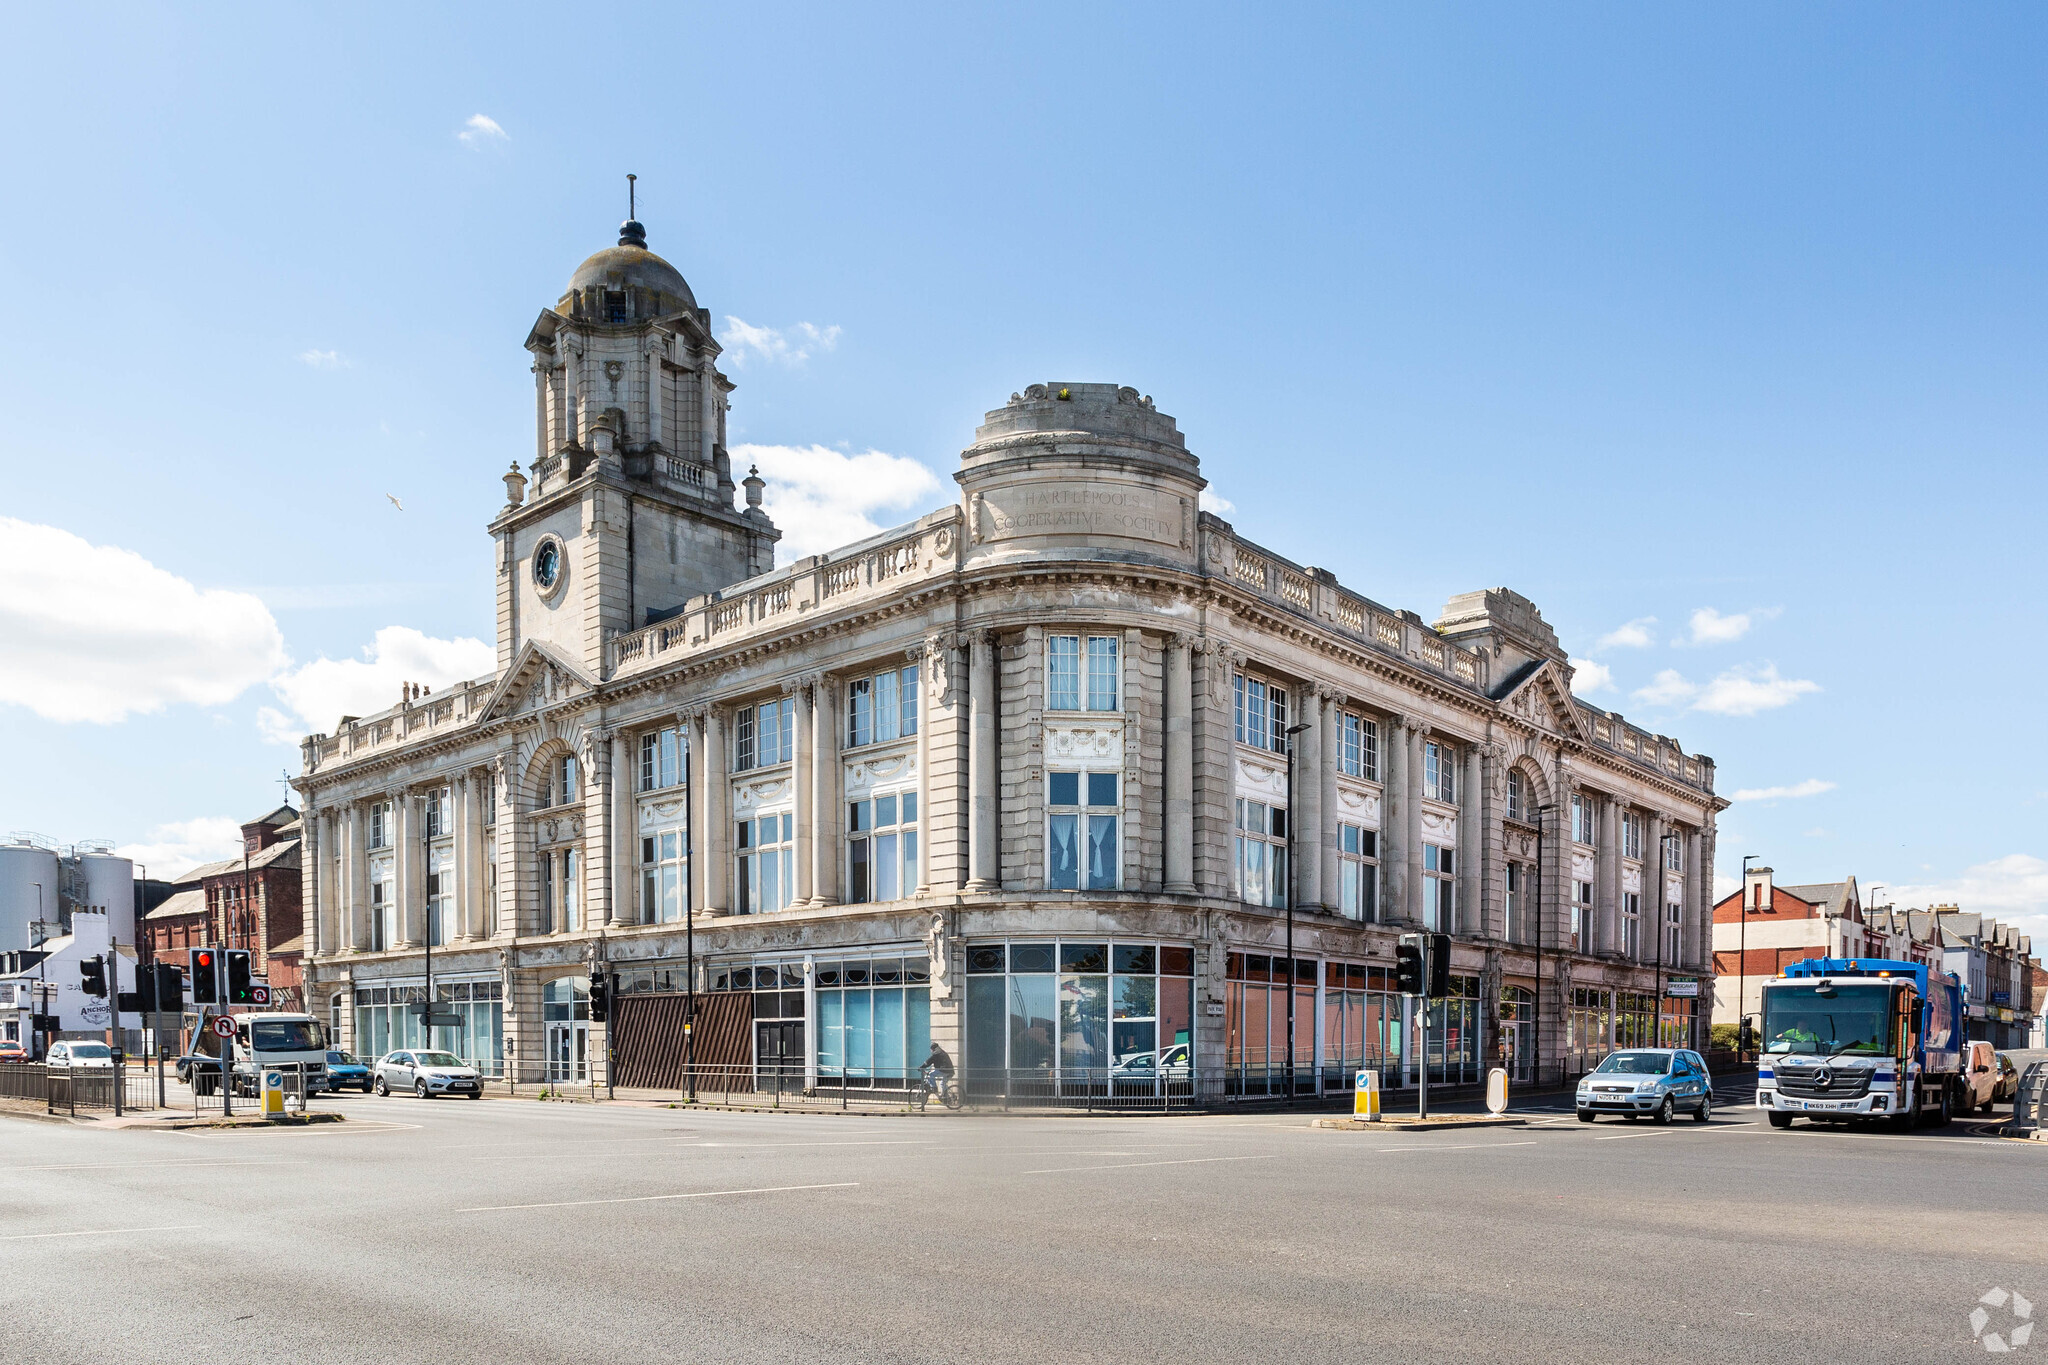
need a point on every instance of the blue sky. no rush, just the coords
(1644, 312)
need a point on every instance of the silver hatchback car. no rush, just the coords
(428, 1074)
(1656, 1082)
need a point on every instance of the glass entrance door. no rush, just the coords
(569, 1051)
(1517, 1039)
(779, 1054)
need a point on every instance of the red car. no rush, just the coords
(12, 1052)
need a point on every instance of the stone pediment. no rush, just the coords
(1544, 700)
(538, 678)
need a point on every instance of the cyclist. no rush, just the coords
(938, 1071)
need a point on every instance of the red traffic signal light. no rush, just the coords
(205, 972)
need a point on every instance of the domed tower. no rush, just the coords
(627, 509)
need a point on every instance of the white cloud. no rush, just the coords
(481, 130)
(1710, 627)
(172, 850)
(1588, 676)
(2013, 888)
(1812, 786)
(743, 339)
(1632, 635)
(823, 498)
(1741, 691)
(324, 360)
(1668, 688)
(323, 691)
(1213, 502)
(96, 633)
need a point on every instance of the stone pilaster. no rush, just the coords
(982, 766)
(1473, 829)
(1179, 763)
(1397, 813)
(828, 776)
(1607, 892)
(803, 695)
(622, 904)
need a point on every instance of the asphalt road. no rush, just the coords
(521, 1231)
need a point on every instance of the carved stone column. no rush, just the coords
(803, 696)
(1411, 824)
(408, 875)
(717, 816)
(1651, 902)
(1608, 896)
(1472, 843)
(826, 807)
(622, 904)
(1307, 815)
(697, 804)
(1329, 741)
(1699, 900)
(1178, 763)
(984, 759)
(1395, 817)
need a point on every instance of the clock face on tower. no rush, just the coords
(547, 564)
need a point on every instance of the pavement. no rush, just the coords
(511, 1230)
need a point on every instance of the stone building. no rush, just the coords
(1013, 777)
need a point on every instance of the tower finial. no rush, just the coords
(630, 231)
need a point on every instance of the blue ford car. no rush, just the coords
(1653, 1082)
(344, 1071)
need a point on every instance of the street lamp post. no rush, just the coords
(1664, 841)
(1292, 876)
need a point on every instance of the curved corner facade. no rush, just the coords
(1034, 776)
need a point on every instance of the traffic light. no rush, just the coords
(1408, 964)
(241, 990)
(1746, 1042)
(92, 975)
(1439, 966)
(600, 997)
(205, 965)
(170, 988)
(141, 1000)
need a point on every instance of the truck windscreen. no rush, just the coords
(287, 1035)
(1828, 1020)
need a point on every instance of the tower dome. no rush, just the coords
(639, 283)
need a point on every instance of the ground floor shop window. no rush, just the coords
(387, 1020)
(1453, 1041)
(480, 1039)
(1588, 1028)
(778, 1059)
(874, 1020)
(1678, 1024)
(1635, 1019)
(1517, 1048)
(565, 1021)
(1362, 1025)
(1255, 1034)
(1075, 1015)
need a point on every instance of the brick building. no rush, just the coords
(249, 901)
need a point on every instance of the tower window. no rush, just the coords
(615, 306)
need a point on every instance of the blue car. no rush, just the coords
(343, 1071)
(1647, 1082)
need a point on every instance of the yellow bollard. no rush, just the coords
(1365, 1100)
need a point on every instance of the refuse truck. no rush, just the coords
(1861, 1040)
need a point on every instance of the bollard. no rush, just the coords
(1365, 1100)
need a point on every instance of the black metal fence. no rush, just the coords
(66, 1090)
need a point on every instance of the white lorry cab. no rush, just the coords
(271, 1037)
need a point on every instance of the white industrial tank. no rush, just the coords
(110, 885)
(21, 867)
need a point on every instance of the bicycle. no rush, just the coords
(928, 1086)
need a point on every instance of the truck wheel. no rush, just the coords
(1779, 1120)
(1947, 1111)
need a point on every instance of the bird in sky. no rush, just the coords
(395, 502)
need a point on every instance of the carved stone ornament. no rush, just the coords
(751, 796)
(1441, 825)
(1083, 741)
(942, 542)
(942, 960)
(974, 531)
(1265, 780)
(1362, 807)
(938, 664)
(1585, 866)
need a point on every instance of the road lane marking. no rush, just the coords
(1462, 1147)
(878, 1142)
(126, 1165)
(656, 1198)
(1133, 1165)
(97, 1232)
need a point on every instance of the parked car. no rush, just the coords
(86, 1056)
(1655, 1082)
(1980, 1077)
(13, 1052)
(2007, 1088)
(345, 1071)
(428, 1074)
